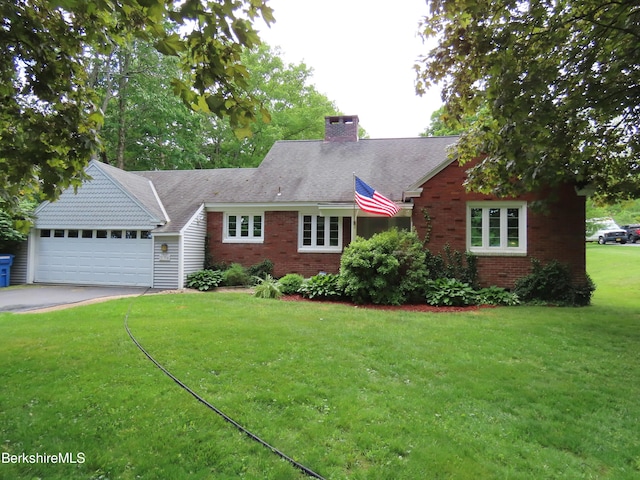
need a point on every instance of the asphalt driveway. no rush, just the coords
(25, 298)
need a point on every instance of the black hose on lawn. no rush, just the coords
(253, 436)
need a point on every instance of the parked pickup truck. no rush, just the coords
(633, 232)
(603, 230)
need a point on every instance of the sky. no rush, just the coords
(362, 54)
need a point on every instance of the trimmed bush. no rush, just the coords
(553, 283)
(204, 280)
(235, 275)
(322, 287)
(389, 269)
(290, 283)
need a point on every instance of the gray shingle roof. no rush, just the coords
(319, 171)
(301, 171)
(183, 191)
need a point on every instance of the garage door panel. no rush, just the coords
(117, 261)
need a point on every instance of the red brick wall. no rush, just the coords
(280, 246)
(558, 234)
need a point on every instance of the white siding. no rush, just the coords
(193, 240)
(166, 266)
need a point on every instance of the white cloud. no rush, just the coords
(362, 54)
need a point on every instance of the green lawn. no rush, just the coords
(505, 393)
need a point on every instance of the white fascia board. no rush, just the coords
(406, 210)
(333, 209)
(254, 207)
(155, 194)
(335, 206)
(412, 193)
(346, 209)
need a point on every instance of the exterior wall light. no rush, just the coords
(164, 248)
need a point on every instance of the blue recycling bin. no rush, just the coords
(5, 269)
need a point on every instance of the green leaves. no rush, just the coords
(204, 280)
(49, 110)
(559, 84)
(389, 268)
(171, 45)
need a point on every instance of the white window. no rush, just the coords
(317, 233)
(245, 228)
(497, 228)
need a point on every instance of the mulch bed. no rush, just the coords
(406, 308)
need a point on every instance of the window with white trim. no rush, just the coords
(318, 233)
(246, 228)
(497, 228)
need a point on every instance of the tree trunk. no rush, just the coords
(125, 61)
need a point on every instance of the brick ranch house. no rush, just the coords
(296, 209)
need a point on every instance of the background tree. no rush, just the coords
(560, 85)
(49, 112)
(442, 124)
(14, 225)
(147, 127)
(297, 110)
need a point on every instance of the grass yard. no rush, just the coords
(503, 393)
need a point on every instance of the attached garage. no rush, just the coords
(115, 230)
(100, 235)
(94, 257)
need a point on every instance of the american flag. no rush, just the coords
(371, 201)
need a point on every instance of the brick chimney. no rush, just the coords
(341, 129)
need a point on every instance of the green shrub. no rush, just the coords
(452, 264)
(204, 280)
(553, 283)
(497, 296)
(261, 270)
(324, 286)
(389, 268)
(290, 283)
(267, 287)
(235, 275)
(582, 293)
(450, 292)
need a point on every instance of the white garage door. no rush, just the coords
(94, 257)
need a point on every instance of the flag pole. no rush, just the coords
(354, 232)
